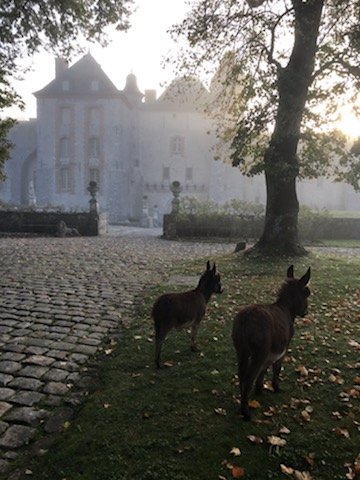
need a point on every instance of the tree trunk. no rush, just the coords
(281, 163)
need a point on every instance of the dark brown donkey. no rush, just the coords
(262, 333)
(176, 310)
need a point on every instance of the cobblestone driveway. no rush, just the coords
(56, 309)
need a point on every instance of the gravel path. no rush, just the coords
(56, 310)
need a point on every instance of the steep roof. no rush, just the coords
(183, 94)
(84, 78)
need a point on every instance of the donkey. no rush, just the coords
(261, 335)
(176, 310)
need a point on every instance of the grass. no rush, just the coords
(339, 243)
(181, 422)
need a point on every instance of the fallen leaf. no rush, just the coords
(276, 441)
(302, 475)
(107, 405)
(237, 472)
(254, 404)
(342, 432)
(310, 458)
(220, 411)
(285, 469)
(306, 416)
(284, 430)
(355, 344)
(214, 372)
(66, 425)
(168, 364)
(356, 380)
(303, 371)
(235, 451)
(255, 439)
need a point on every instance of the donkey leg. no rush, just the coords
(194, 330)
(259, 387)
(254, 370)
(276, 372)
(158, 344)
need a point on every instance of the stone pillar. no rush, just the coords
(176, 189)
(94, 206)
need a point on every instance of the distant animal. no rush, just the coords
(261, 335)
(62, 230)
(176, 310)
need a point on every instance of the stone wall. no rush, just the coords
(45, 223)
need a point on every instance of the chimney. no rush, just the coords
(61, 65)
(150, 96)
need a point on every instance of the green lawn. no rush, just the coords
(181, 423)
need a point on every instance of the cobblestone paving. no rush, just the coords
(56, 309)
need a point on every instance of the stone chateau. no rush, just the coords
(133, 145)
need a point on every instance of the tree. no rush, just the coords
(28, 25)
(296, 61)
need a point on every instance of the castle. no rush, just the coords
(133, 145)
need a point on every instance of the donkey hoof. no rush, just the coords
(194, 348)
(259, 390)
(276, 389)
(247, 417)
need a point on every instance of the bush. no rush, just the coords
(210, 209)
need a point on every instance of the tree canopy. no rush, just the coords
(252, 43)
(28, 25)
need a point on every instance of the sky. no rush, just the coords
(139, 51)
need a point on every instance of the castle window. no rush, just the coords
(66, 116)
(65, 180)
(94, 176)
(166, 173)
(65, 85)
(189, 174)
(94, 147)
(177, 145)
(64, 147)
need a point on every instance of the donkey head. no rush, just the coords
(210, 280)
(294, 293)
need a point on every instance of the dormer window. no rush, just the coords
(65, 85)
(94, 85)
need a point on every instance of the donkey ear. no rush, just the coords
(208, 265)
(290, 272)
(214, 269)
(305, 278)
